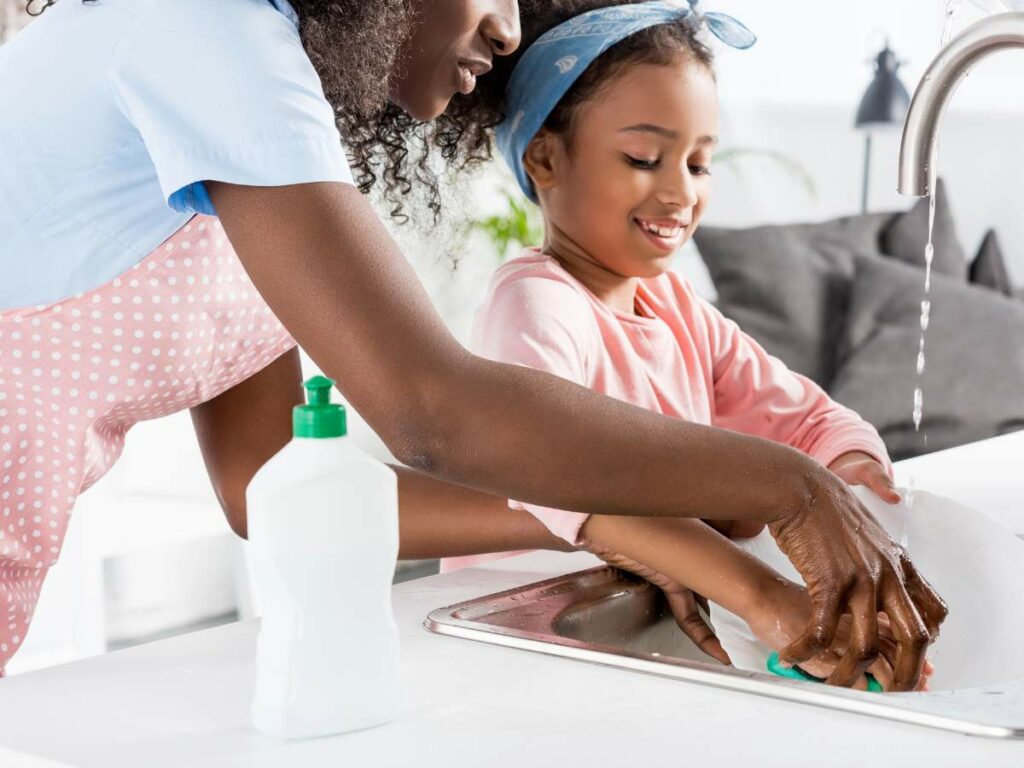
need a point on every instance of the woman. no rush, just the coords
(130, 117)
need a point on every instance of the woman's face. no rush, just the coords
(453, 43)
(634, 182)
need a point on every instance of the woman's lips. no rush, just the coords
(468, 71)
(467, 81)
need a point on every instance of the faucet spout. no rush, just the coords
(951, 65)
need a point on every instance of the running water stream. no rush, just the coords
(952, 8)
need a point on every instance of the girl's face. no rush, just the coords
(453, 43)
(633, 182)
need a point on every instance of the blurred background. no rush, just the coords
(149, 555)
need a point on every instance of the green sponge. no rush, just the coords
(776, 667)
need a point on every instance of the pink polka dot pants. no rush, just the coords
(177, 329)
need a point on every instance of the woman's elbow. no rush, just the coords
(424, 442)
(427, 434)
(233, 506)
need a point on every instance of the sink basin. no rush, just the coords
(606, 617)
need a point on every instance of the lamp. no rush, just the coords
(885, 103)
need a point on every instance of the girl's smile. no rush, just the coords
(666, 234)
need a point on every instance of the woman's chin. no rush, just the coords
(422, 107)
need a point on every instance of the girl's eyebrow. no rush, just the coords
(664, 132)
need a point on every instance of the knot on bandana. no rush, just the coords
(549, 67)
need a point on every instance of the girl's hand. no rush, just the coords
(781, 615)
(681, 601)
(858, 468)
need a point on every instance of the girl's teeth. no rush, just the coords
(661, 231)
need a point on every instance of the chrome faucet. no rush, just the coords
(917, 152)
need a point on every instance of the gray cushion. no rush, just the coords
(788, 286)
(906, 236)
(989, 267)
(973, 382)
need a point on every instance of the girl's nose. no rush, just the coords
(500, 27)
(680, 190)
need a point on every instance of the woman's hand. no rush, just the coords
(781, 614)
(858, 468)
(831, 533)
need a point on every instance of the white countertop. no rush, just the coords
(184, 701)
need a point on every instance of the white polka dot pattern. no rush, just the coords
(177, 329)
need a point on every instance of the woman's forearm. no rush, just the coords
(323, 261)
(438, 519)
(543, 440)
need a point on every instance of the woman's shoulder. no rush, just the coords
(188, 40)
(247, 12)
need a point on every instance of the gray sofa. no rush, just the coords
(839, 301)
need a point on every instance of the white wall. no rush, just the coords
(821, 52)
(797, 92)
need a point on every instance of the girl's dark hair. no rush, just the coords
(356, 46)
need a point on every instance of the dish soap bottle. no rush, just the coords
(323, 533)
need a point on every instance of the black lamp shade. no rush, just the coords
(886, 100)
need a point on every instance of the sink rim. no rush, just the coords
(920, 709)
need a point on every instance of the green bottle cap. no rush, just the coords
(319, 417)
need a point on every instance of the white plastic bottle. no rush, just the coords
(323, 532)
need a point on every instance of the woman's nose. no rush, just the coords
(500, 27)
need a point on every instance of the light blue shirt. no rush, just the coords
(113, 114)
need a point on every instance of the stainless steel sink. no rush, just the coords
(606, 617)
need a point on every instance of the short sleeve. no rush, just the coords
(225, 91)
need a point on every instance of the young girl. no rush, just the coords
(619, 161)
(177, 213)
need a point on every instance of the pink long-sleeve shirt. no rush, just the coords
(677, 355)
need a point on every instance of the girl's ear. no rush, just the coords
(543, 160)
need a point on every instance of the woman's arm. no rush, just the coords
(324, 263)
(242, 428)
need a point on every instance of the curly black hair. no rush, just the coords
(356, 47)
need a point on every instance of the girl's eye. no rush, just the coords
(645, 165)
(700, 170)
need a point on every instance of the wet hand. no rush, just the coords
(858, 468)
(852, 566)
(782, 614)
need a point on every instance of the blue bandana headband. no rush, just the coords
(555, 61)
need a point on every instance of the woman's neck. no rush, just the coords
(612, 289)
